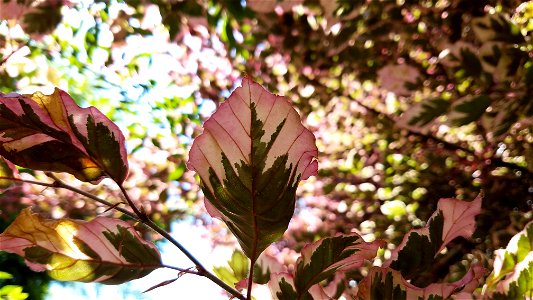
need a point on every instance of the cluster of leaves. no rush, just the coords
(250, 158)
(456, 118)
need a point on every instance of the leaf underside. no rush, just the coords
(103, 250)
(52, 133)
(250, 157)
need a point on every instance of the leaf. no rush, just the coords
(13, 292)
(512, 275)
(237, 271)
(468, 109)
(282, 286)
(52, 133)
(253, 152)
(5, 275)
(419, 247)
(421, 115)
(7, 169)
(103, 250)
(385, 283)
(323, 258)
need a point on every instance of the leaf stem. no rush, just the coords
(250, 280)
(202, 271)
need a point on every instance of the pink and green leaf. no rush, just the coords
(253, 152)
(52, 133)
(102, 250)
(512, 276)
(386, 283)
(324, 259)
(419, 247)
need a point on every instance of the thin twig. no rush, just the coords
(60, 184)
(188, 270)
(6, 58)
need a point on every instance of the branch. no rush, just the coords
(497, 161)
(202, 271)
(141, 217)
(60, 184)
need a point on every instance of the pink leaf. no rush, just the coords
(453, 218)
(253, 152)
(383, 283)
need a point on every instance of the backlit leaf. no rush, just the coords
(322, 259)
(253, 152)
(102, 250)
(453, 218)
(385, 283)
(7, 169)
(512, 276)
(52, 133)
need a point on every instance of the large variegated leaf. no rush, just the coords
(453, 218)
(253, 152)
(385, 283)
(52, 133)
(512, 276)
(102, 250)
(323, 258)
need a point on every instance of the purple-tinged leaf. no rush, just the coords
(453, 218)
(512, 276)
(7, 170)
(102, 250)
(324, 258)
(52, 133)
(253, 152)
(386, 283)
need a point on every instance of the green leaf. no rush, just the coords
(237, 271)
(253, 152)
(102, 250)
(13, 292)
(5, 275)
(52, 133)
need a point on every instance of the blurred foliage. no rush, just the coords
(410, 101)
